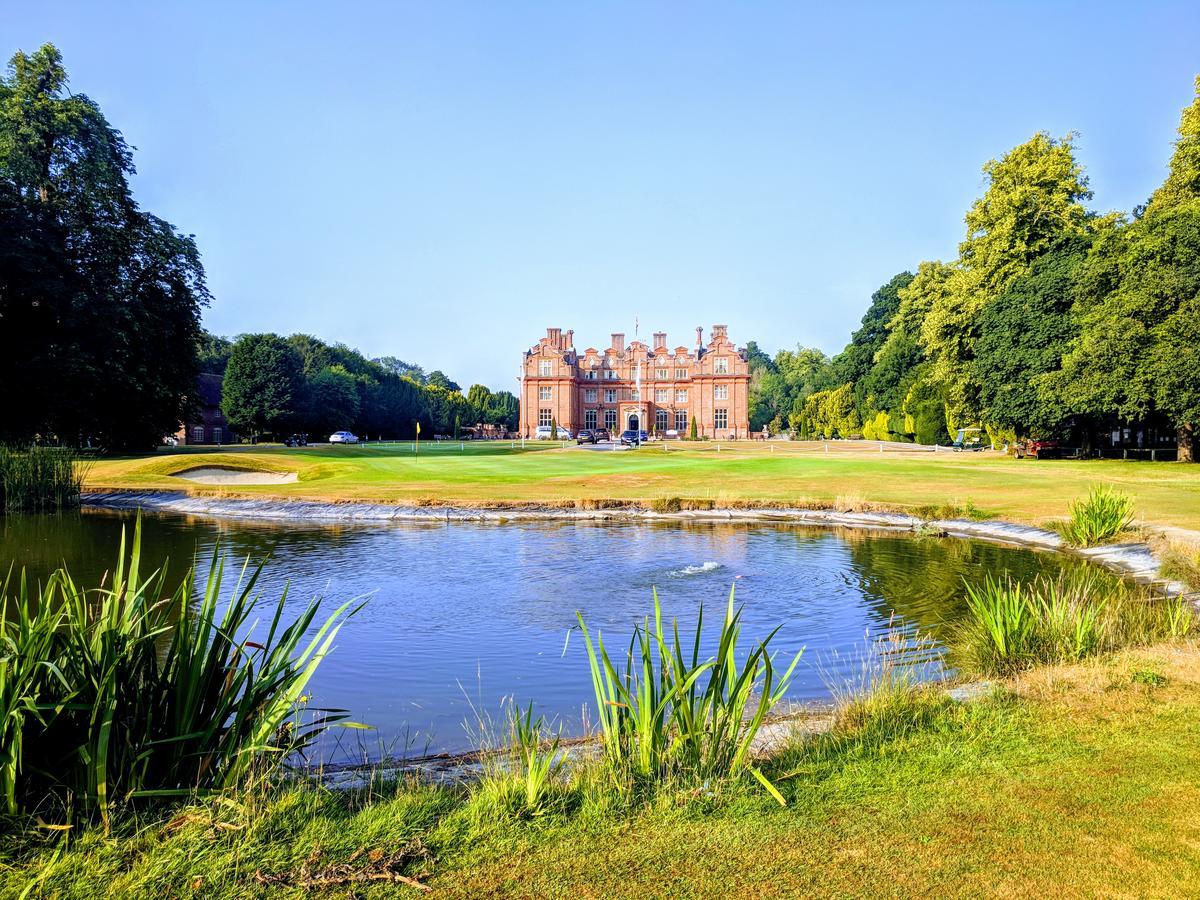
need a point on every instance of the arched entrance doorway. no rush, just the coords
(634, 422)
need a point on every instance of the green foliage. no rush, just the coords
(333, 399)
(100, 300)
(692, 433)
(39, 479)
(1022, 333)
(262, 385)
(673, 714)
(1011, 626)
(831, 413)
(212, 353)
(134, 691)
(1101, 516)
(1183, 181)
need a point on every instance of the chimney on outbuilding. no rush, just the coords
(570, 341)
(660, 340)
(618, 341)
(699, 337)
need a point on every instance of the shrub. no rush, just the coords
(1100, 517)
(133, 691)
(671, 714)
(692, 432)
(39, 479)
(1010, 626)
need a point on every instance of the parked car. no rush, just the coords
(296, 440)
(631, 437)
(1032, 449)
(602, 435)
(585, 436)
(343, 437)
(543, 433)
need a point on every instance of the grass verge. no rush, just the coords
(1041, 788)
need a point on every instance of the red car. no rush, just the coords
(1037, 449)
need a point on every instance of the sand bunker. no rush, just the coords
(220, 475)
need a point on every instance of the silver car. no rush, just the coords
(343, 437)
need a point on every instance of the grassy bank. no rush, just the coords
(796, 474)
(1072, 781)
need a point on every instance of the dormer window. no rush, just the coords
(546, 368)
(721, 365)
(591, 375)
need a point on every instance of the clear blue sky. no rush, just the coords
(441, 181)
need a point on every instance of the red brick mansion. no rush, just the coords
(599, 388)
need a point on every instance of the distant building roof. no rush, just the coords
(208, 389)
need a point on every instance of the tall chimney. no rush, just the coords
(660, 340)
(618, 341)
(570, 341)
(699, 337)
(720, 332)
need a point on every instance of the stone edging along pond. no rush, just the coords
(1135, 560)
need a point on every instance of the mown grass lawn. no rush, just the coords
(791, 474)
(1070, 782)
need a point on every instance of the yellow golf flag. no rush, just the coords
(418, 428)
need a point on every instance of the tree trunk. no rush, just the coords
(1185, 440)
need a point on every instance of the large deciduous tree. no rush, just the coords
(262, 384)
(1140, 294)
(99, 301)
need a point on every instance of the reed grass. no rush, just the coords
(133, 691)
(1011, 626)
(673, 713)
(1097, 519)
(40, 479)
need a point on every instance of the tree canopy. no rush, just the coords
(99, 300)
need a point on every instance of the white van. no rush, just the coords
(543, 433)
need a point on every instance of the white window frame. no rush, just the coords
(662, 395)
(681, 420)
(660, 374)
(610, 419)
(610, 395)
(681, 395)
(681, 373)
(589, 419)
(661, 420)
(545, 392)
(589, 395)
(721, 365)
(545, 418)
(546, 368)
(721, 419)
(720, 392)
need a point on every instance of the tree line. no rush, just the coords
(1053, 321)
(275, 385)
(100, 307)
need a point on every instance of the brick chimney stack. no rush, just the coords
(660, 340)
(618, 341)
(699, 337)
(570, 341)
(720, 332)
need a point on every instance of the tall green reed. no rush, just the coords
(132, 691)
(1098, 518)
(1011, 626)
(673, 712)
(39, 479)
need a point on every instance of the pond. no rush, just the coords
(462, 616)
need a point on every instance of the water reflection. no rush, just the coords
(483, 611)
